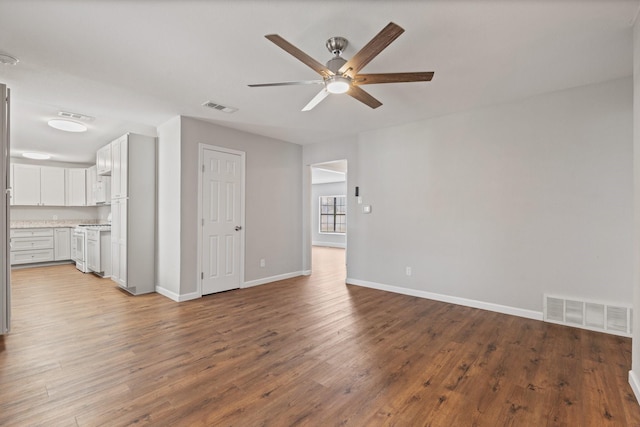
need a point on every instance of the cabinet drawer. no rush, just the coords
(28, 243)
(31, 232)
(25, 257)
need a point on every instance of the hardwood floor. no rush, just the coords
(304, 351)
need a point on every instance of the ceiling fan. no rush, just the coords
(341, 75)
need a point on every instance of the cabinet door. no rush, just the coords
(93, 255)
(76, 181)
(92, 177)
(52, 186)
(103, 160)
(119, 241)
(26, 185)
(119, 167)
(62, 244)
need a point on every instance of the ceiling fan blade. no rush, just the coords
(300, 82)
(316, 100)
(300, 55)
(367, 79)
(371, 49)
(364, 97)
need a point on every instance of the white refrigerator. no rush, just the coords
(5, 268)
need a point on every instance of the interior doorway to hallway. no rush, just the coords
(328, 209)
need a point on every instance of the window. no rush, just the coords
(333, 214)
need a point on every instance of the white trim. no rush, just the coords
(273, 279)
(176, 297)
(529, 314)
(306, 272)
(635, 384)
(243, 157)
(329, 244)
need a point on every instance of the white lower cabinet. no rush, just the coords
(31, 245)
(61, 244)
(99, 252)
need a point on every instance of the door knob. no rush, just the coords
(238, 228)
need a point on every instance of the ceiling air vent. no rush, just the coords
(75, 116)
(223, 108)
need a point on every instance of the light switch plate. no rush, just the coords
(366, 209)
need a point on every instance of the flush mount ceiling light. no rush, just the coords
(338, 84)
(36, 156)
(67, 125)
(8, 59)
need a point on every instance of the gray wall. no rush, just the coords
(273, 208)
(504, 203)
(329, 189)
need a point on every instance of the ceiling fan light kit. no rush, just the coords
(338, 84)
(341, 75)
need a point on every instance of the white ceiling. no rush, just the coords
(134, 64)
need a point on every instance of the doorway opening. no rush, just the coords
(329, 224)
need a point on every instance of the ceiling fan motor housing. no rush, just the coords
(334, 64)
(337, 45)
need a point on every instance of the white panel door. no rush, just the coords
(221, 225)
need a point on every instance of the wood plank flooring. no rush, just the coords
(305, 351)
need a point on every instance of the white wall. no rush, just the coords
(168, 212)
(273, 227)
(504, 203)
(329, 189)
(634, 374)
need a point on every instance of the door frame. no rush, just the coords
(309, 202)
(201, 148)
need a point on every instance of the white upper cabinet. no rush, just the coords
(119, 167)
(52, 188)
(103, 160)
(26, 185)
(98, 188)
(90, 186)
(38, 185)
(76, 187)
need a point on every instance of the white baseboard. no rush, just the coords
(272, 279)
(529, 314)
(306, 272)
(177, 297)
(330, 244)
(635, 384)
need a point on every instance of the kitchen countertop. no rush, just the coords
(50, 223)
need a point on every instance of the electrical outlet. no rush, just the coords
(407, 271)
(263, 263)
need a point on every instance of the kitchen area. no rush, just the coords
(89, 215)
